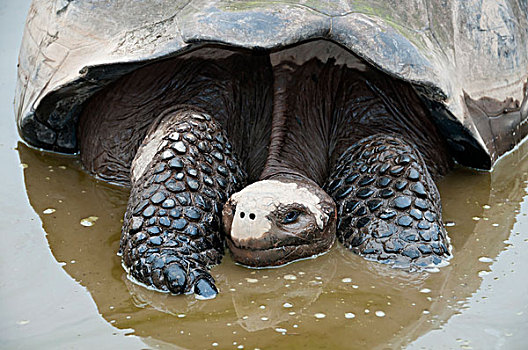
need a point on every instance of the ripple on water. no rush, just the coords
(483, 273)
(89, 221)
(485, 259)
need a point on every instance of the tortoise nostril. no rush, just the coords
(252, 216)
(242, 214)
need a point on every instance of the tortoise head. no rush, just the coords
(273, 222)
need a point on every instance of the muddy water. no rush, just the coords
(62, 286)
(335, 301)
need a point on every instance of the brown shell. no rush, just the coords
(467, 58)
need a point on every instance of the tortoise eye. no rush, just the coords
(290, 216)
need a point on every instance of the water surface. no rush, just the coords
(337, 300)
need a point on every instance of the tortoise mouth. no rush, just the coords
(281, 254)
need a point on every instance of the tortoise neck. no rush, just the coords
(298, 147)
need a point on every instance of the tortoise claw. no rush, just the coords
(204, 288)
(175, 278)
(199, 281)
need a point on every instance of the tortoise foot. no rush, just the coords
(181, 176)
(389, 208)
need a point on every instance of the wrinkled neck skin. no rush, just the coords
(257, 219)
(319, 110)
(299, 144)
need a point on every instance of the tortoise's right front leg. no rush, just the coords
(182, 174)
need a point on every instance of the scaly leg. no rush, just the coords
(182, 174)
(388, 205)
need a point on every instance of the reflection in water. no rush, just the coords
(337, 300)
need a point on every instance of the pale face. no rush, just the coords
(272, 222)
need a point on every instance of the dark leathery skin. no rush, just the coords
(388, 205)
(171, 231)
(320, 109)
(236, 90)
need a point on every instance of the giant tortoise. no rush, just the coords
(274, 127)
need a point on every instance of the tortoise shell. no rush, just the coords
(467, 59)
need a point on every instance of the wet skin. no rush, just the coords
(198, 131)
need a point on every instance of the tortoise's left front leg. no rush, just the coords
(388, 205)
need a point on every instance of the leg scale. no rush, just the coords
(181, 177)
(389, 208)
